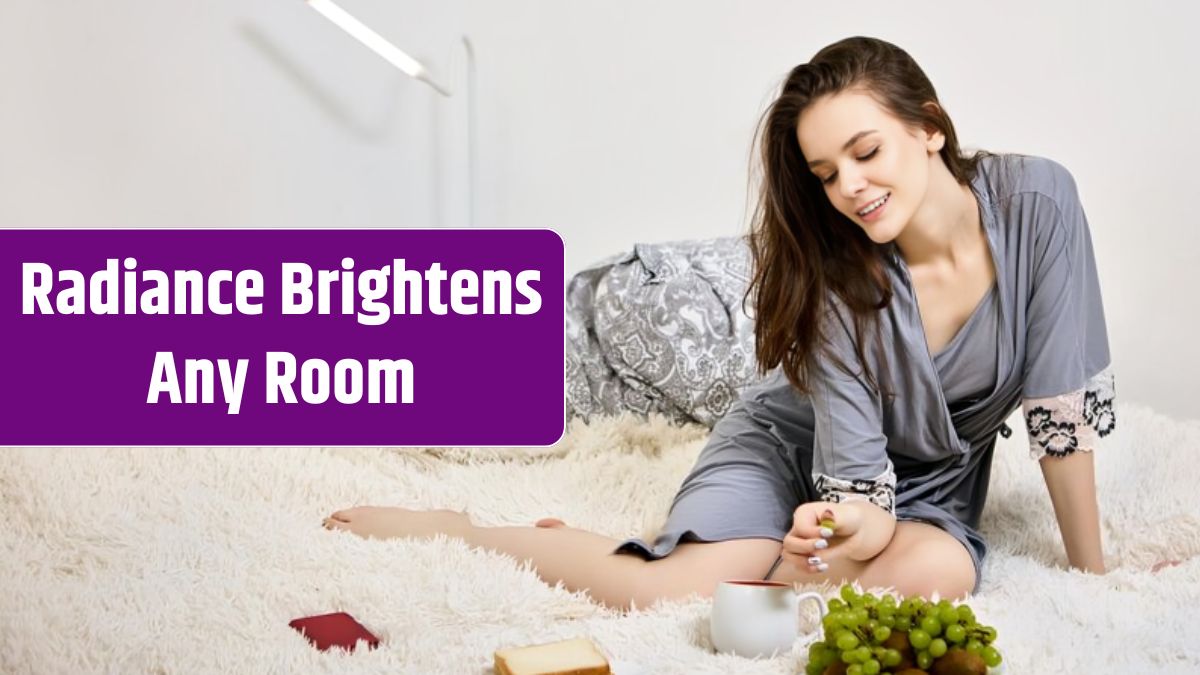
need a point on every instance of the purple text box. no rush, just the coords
(489, 378)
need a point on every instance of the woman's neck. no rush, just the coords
(946, 228)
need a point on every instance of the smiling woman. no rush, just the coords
(907, 299)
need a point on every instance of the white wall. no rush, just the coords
(612, 122)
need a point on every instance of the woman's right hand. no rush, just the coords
(810, 545)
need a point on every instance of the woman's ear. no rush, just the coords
(935, 140)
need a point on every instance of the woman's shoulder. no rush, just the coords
(1014, 175)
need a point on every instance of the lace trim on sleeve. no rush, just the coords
(1060, 425)
(880, 490)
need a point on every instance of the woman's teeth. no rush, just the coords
(876, 204)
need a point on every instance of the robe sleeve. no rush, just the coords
(1068, 388)
(850, 460)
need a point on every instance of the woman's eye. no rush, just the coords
(869, 155)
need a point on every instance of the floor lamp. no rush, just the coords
(415, 69)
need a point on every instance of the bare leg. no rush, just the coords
(919, 560)
(581, 560)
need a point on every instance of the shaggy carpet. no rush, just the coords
(193, 560)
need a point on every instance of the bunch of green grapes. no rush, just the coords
(868, 635)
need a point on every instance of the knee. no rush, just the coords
(944, 587)
(948, 573)
(922, 560)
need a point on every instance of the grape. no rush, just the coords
(850, 656)
(903, 624)
(888, 601)
(918, 638)
(860, 616)
(937, 648)
(965, 614)
(836, 605)
(831, 622)
(947, 615)
(975, 646)
(854, 670)
(813, 668)
(863, 654)
(932, 626)
(891, 658)
(881, 634)
(848, 593)
(991, 657)
(924, 660)
(956, 633)
(871, 667)
(990, 634)
(847, 640)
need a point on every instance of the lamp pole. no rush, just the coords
(415, 69)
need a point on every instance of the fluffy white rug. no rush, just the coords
(194, 560)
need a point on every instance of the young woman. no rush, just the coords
(907, 300)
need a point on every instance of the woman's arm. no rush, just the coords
(1071, 481)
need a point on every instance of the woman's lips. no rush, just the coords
(878, 212)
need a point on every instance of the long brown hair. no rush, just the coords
(802, 247)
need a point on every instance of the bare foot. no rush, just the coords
(388, 522)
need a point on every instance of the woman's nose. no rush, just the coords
(852, 184)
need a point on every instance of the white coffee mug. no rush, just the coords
(758, 618)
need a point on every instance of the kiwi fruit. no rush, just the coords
(959, 661)
(835, 668)
(898, 640)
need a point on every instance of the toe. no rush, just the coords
(344, 515)
(335, 524)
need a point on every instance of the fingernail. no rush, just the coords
(823, 567)
(814, 560)
(826, 532)
(820, 543)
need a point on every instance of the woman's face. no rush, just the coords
(862, 154)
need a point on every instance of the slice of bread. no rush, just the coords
(569, 657)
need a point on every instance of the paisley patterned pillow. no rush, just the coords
(661, 329)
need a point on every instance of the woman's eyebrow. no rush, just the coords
(846, 146)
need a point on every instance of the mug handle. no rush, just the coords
(822, 608)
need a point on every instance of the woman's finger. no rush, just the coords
(811, 564)
(809, 546)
